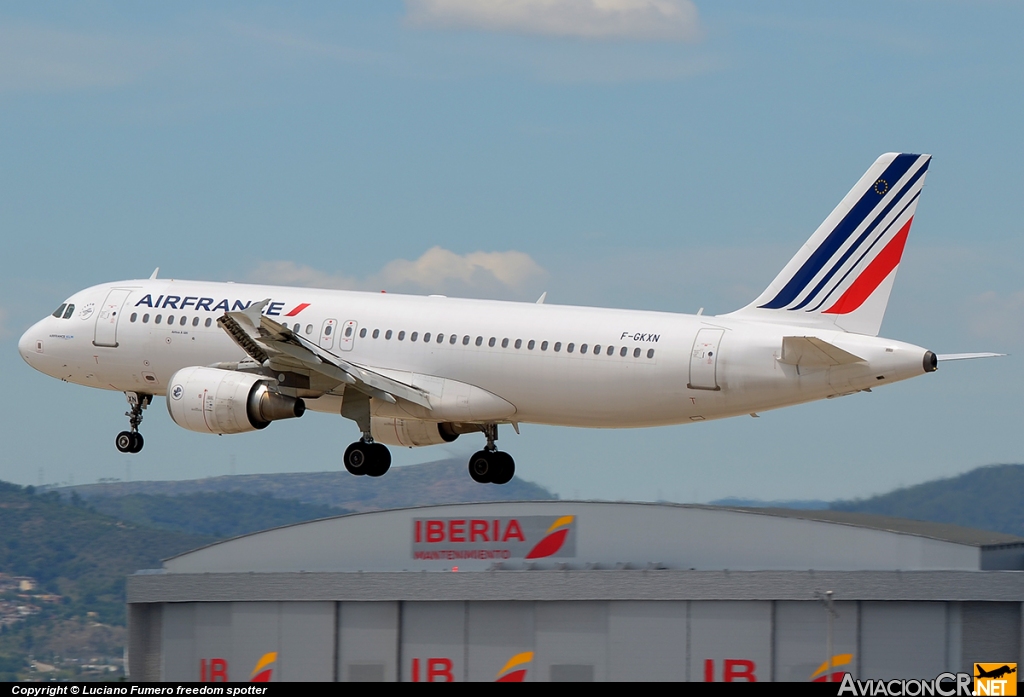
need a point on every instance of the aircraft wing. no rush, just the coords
(265, 340)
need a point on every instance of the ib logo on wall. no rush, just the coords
(995, 679)
(216, 669)
(524, 537)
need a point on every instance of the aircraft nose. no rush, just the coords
(29, 344)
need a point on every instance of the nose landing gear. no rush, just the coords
(490, 465)
(132, 441)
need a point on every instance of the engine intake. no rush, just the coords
(211, 400)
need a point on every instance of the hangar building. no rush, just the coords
(559, 590)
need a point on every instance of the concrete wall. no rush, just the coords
(600, 640)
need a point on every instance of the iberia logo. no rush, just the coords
(840, 659)
(995, 679)
(261, 673)
(554, 538)
(512, 672)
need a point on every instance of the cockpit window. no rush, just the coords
(59, 311)
(70, 311)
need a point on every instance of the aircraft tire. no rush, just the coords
(380, 459)
(137, 442)
(124, 442)
(505, 468)
(357, 459)
(481, 467)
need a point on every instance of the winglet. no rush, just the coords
(253, 312)
(540, 300)
(154, 274)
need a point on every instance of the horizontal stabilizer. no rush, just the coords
(812, 351)
(966, 356)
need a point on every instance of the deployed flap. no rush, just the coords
(810, 350)
(264, 339)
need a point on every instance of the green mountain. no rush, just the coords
(988, 498)
(443, 481)
(218, 514)
(78, 553)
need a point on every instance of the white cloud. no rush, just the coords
(42, 59)
(477, 274)
(659, 20)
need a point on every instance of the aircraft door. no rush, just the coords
(704, 360)
(106, 318)
(348, 335)
(327, 333)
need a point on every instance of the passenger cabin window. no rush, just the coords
(531, 344)
(426, 338)
(465, 340)
(558, 346)
(570, 347)
(68, 312)
(583, 348)
(413, 336)
(170, 319)
(183, 320)
(597, 349)
(328, 329)
(519, 343)
(309, 329)
(156, 320)
(623, 351)
(209, 321)
(59, 312)
(440, 338)
(479, 341)
(195, 321)
(543, 346)
(453, 339)
(401, 335)
(145, 318)
(133, 317)
(362, 333)
(387, 334)
(636, 353)
(491, 342)
(348, 330)
(650, 353)
(376, 333)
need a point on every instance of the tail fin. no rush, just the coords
(842, 276)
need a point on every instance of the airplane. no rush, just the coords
(424, 370)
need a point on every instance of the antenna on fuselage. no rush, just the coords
(155, 272)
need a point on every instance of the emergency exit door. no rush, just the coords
(704, 360)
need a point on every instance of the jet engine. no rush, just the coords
(211, 400)
(410, 433)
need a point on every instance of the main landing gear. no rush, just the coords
(132, 441)
(366, 457)
(490, 465)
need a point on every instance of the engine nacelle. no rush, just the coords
(211, 400)
(410, 433)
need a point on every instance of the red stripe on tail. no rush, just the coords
(876, 272)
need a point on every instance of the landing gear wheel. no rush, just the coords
(137, 443)
(357, 458)
(481, 467)
(505, 467)
(380, 459)
(125, 441)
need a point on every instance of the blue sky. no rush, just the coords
(659, 154)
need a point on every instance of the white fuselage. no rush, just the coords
(653, 368)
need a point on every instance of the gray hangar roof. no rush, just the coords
(571, 535)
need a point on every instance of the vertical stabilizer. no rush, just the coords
(842, 276)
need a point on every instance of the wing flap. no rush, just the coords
(264, 339)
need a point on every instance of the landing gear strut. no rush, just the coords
(490, 465)
(364, 456)
(132, 441)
